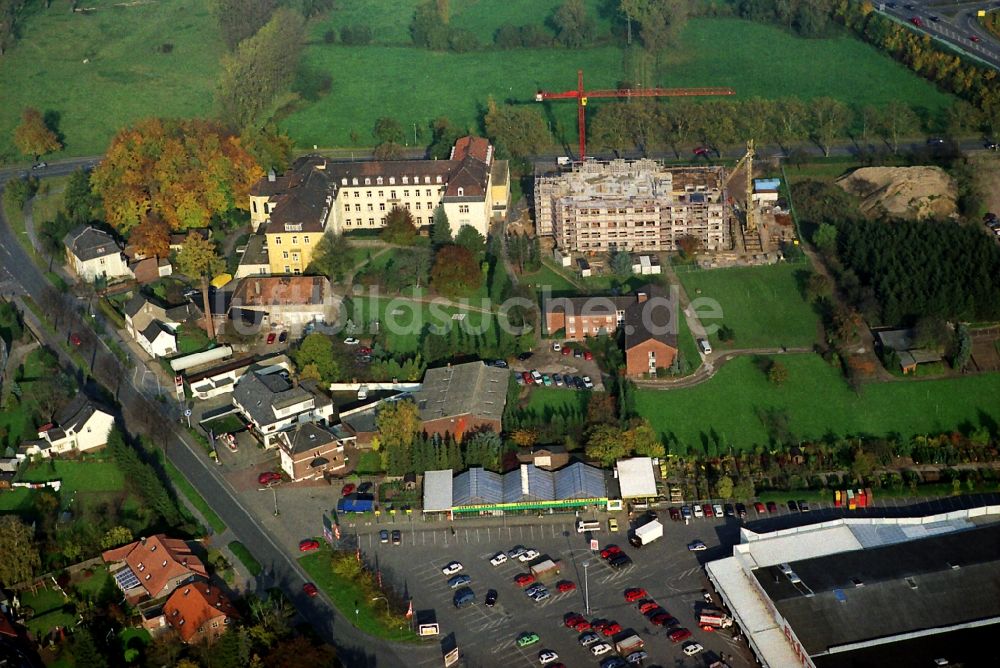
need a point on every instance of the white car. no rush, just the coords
(718, 510)
(600, 648)
(697, 546)
(499, 558)
(528, 556)
(547, 656)
(351, 341)
(536, 376)
(540, 595)
(588, 383)
(693, 648)
(556, 347)
(698, 512)
(452, 568)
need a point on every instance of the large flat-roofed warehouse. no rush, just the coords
(860, 592)
(633, 205)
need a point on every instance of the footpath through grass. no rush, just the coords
(762, 305)
(739, 407)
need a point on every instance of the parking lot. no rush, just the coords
(549, 362)
(670, 574)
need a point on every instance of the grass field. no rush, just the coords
(126, 76)
(50, 610)
(762, 305)
(815, 399)
(97, 71)
(77, 476)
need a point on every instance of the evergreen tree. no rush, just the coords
(440, 228)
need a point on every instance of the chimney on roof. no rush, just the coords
(271, 175)
(642, 296)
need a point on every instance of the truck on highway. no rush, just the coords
(630, 643)
(545, 568)
(716, 619)
(647, 533)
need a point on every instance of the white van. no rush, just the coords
(705, 346)
(583, 525)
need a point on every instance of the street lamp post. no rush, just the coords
(384, 599)
(274, 492)
(586, 586)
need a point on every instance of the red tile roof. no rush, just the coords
(194, 606)
(477, 147)
(156, 561)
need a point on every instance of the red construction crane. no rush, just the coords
(582, 95)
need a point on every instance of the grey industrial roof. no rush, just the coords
(437, 490)
(636, 478)
(477, 487)
(579, 481)
(259, 393)
(975, 646)
(860, 595)
(528, 483)
(462, 389)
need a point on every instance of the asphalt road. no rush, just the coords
(354, 648)
(956, 24)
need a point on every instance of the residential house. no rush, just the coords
(546, 457)
(314, 195)
(94, 254)
(8, 471)
(308, 451)
(146, 268)
(154, 326)
(153, 567)
(287, 301)
(649, 317)
(213, 379)
(199, 612)
(254, 260)
(271, 403)
(461, 398)
(904, 342)
(79, 426)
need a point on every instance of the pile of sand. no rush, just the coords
(903, 192)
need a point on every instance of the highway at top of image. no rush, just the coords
(956, 24)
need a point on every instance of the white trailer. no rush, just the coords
(649, 532)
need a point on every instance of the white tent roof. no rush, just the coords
(635, 478)
(437, 491)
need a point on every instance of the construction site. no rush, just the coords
(591, 207)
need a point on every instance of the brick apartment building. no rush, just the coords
(649, 318)
(632, 205)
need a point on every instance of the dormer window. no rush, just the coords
(368, 181)
(187, 590)
(180, 623)
(438, 179)
(343, 181)
(461, 192)
(175, 613)
(378, 181)
(406, 180)
(141, 567)
(152, 549)
(392, 180)
(147, 576)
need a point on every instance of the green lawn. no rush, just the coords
(345, 594)
(547, 278)
(243, 554)
(182, 485)
(815, 399)
(103, 69)
(93, 585)
(15, 500)
(48, 605)
(80, 476)
(48, 203)
(762, 305)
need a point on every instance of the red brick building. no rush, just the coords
(153, 567)
(649, 319)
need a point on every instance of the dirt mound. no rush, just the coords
(903, 192)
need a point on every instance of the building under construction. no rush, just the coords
(632, 205)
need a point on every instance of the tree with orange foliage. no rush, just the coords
(33, 137)
(151, 237)
(455, 272)
(185, 171)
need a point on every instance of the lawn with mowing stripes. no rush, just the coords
(815, 400)
(762, 305)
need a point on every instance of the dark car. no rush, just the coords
(791, 506)
(620, 561)
(282, 337)
(524, 356)
(772, 507)
(728, 510)
(500, 364)
(935, 141)
(675, 514)
(741, 511)
(463, 597)
(991, 145)
(397, 537)
(491, 598)
(364, 488)
(803, 506)
(383, 536)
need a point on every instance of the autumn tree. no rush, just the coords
(456, 272)
(606, 444)
(896, 120)
(332, 257)
(397, 425)
(777, 373)
(260, 69)
(33, 137)
(270, 147)
(724, 487)
(315, 356)
(197, 259)
(19, 558)
(151, 237)
(186, 171)
(641, 440)
(239, 19)
(516, 131)
(115, 536)
(601, 409)
(827, 120)
(689, 245)
(399, 227)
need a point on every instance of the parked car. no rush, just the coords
(557, 379)
(546, 380)
(40, 165)
(539, 595)
(991, 145)
(365, 487)
(772, 507)
(536, 587)
(267, 477)
(679, 635)
(383, 536)
(686, 512)
(547, 656)
(282, 337)
(697, 546)
(524, 357)
(519, 379)
(570, 619)
(577, 353)
(648, 606)
(698, 512)
(792, 506)
(611, 629)
(717, 508)
(567, 350)
(707, 509)
(528, 378)
(614, 662)
(600, 648)
(536, 376)
(459, 581)
(759, 507)
(675, 514)
(556, 347)
(693, 648)
(524, 579)
(397, 537)
(612, 525)
(491, 598)
(589, 638)
(75, 339)
(500, 364)
(309, 589)
(741, 511)
(587, 355)
(348, 489)
(351, 341)
(527, 556)
(702, 151)
(498, 558)
(637, 657)
(452, 568)
(663, 619)
(634, 594)
(516, 551)
(463, 597)
(610, 551)
(527, 638)
(728, 510)
(308, 545)
(565, 585)
(588, 383)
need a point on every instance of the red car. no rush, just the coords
(917, 21)
(309, 589)
(271, 337)
(348, 489)
(75, 340)
(679, 635)
(528, 378)
(759, 507)
(364, 350)
(702, 152)
(599, 624)
(308, 545)
(648, 606)
(581, 625)
(524, 579)
(587, 355)
(663, 619)
(566, 585)
(572, 619)
(634, 594)
(772, 507)
(707, 508)
(567, 351)
(267, 477)
(974, 38)
(610, 551)
(611, 629)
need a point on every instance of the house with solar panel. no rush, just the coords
(527, 488)
(152, 568)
